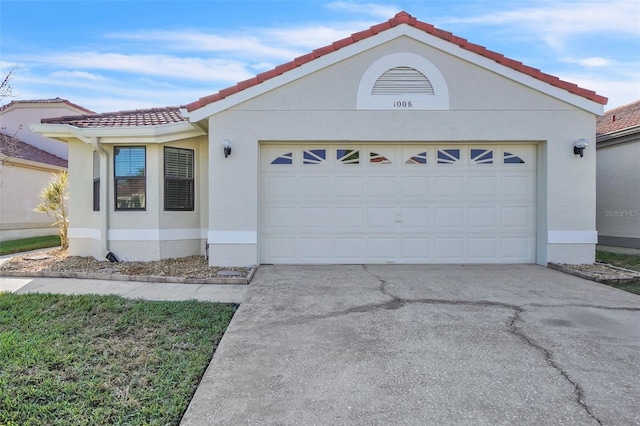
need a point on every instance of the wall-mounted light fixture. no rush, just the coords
(226, 144)
(579, 146)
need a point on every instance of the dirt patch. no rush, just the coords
(599, 272)
(58, 260)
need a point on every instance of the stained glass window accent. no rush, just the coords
(314, 156)
(284, 159)
(448, 156)
(378, 158)
(510, 158)
(420, 158)
(482, 156)
(348, 156)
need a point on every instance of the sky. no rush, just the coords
(131, 54)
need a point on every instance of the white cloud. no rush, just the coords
(237, 44)
(191, 68)
(556, 21)
(589, 62)
(82, 75)
(273, 43)
(620, 89)
(382, 11)
(312, 37)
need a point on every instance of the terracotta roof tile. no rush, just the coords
(14, 147)
(401, 18)
(135, 118)
(619, 118)
(46, 101)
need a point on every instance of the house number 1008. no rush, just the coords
(402, 104)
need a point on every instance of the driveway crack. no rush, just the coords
(383, 286)
(548, 357)
(398, 302)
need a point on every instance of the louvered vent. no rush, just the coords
(402, 80)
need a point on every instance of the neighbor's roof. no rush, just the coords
(140, 117)
(620, 118)
(400, 18)
(46, 101)
(14, 147)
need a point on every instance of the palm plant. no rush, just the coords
(53, 202)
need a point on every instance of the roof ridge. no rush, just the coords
(113, 113)
(46, 101)
(400, 18)
(137, 117)
(622, 107)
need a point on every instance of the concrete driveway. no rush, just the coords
(427, 344)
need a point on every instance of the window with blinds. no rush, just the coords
(179, 192)
(130, 177)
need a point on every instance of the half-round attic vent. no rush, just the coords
(402, 80)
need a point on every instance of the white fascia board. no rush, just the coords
(160, 133)
(31, 164)
(378, 39)
(59, 132)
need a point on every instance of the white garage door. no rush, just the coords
(410, 203)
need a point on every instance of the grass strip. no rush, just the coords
(27, 244)
(87, 360)
(627, 261)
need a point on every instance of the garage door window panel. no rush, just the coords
(375, 158)
(348, 156)
(419, 158)
(510, 158)
(448, 156)
(284, 159)
(314, 156)
(481, 156)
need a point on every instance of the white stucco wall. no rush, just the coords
(135, 235)
(483, 107)
(618, 194)
(20, 186)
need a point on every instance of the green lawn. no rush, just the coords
(88, 360)
(27, 244)
(627, 261)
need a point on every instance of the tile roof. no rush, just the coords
(14, 147)
(140, 117)
(400, 18)
(619, 118)
(46, 101)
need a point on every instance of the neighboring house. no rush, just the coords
(27, 163)
(618, 177)
(400, 144)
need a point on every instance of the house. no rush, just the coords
(399, 144)
(27, 162)
(618, 177)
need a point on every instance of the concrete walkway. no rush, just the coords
(425, 345)
(224, 293)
